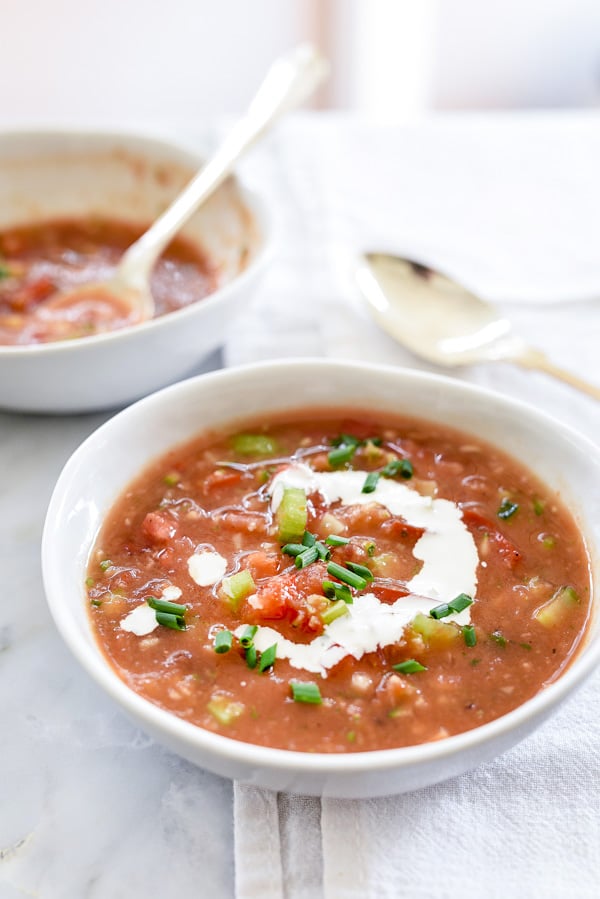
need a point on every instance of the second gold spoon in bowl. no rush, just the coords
(441, 321)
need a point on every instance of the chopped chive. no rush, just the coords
(96, 602)
(410, 666)
(264, 475)
(474, 662)
(402, 467)
(302, 692)
(441, 611)
(307, 557)
(105, 565)
(293, 549)
(525, 645)
(223, 641)
(507, 508)
(470, 637)
(324, 553)
(308, 539)
(251, 656)
(499, 638)
(370, 482)
(346, 576)
(548, 541)
(334, 540)
(351, 736)
(337, 591)
(247, 637)
(361, 570)
(370, 549)
(168, 619)
(341, 454)
(335, 610)
(163, 605)
(267, 658)
(172, 478)
(89, 582)
(346, 440)
(460, 602)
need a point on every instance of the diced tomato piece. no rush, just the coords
(388, 593)
(157, 528)
(400, 530)
(247, 522)
(363, 518)
(261, 564)
(291, 595)
(222, 477)
(32, 294)
(507, 550)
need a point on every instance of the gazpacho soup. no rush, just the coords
(42, 266)
(338, 582)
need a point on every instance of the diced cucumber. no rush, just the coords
(335, 610)
(224, 709)
(292, 515)
(329, 524)
(237, 587)
(254, 444)
(558, 606)
(436, 634)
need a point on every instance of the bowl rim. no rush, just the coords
(586, 658)
(261, 213)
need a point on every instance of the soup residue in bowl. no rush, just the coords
(42, 260)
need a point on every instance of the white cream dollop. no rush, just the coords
(447, 548)
(141, 621)
(368, 625)
(206, 567)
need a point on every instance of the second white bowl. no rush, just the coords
(45, 175)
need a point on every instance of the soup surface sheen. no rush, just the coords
(335, 584)
(39, 262)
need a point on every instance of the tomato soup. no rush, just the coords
(39, 262)
(338, 583)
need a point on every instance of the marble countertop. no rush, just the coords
(91, 808)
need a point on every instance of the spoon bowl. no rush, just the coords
(441, 321)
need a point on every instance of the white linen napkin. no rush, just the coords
(510, 204)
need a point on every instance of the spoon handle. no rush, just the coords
(528, 357)
(291, 79)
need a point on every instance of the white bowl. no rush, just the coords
(68, 174)
(102, 467)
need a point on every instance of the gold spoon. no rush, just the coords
(444, 323)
